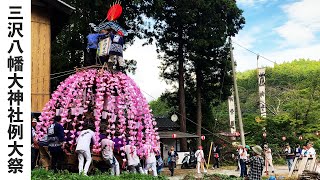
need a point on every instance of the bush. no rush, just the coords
(40, 174)
(220, 177)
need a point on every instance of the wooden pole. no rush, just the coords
(209, 154)
(237, 97)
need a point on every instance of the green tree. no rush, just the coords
(160, 107)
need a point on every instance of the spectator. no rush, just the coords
(107, 147)
(268, 158)
(243, 158)
(83, 149)
(310, 152)
(172, 157)
(289, 155)
(55, 140)
(159, 162)
(298, 151)
(216, 155)
(256, 163)
(34, 144)
(200, 159)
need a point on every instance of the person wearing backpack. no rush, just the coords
(55, 143)
(83, 149)
(107, 147)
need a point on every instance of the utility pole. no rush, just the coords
(237, 96)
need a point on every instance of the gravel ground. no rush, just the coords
(226, 170)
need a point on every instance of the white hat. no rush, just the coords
(34, 120)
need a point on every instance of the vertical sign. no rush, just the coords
(15, 89)
(232, 114)
(262, 91)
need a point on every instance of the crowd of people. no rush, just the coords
(259, 158)
(111, 152)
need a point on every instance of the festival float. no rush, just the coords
(99, 96)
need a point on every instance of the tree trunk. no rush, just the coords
(182, 104)
(199, 102)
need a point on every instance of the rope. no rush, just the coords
(254, 52)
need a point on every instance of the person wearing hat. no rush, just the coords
(34, 145)
(268, 158)
(289, 155)
(200, 159)
(256, 163)
(310, 152)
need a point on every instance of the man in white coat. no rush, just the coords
(151, 161)
(83, 149)
(107, 147)
(132, 160)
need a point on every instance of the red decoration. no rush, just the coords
(114, 12)
(300, 137)
(237, 133)
(203, 137)
(284, 138)
(174, 135)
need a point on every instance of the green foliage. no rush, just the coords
(40, 174)
(293, 100)
(160, 108)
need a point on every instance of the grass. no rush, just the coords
(42, 174)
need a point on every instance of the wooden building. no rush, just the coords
(47, 19)
(166, 129)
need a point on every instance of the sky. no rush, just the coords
(279, 30)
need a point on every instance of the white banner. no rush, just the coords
(262, 91)
(15, 90)
(232, 113)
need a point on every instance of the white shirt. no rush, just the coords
(84, 140)
(150, 156)
(268, 154)
(311, 152)
(243, 154)
(107, 146)
(132, 157)
(199, 154)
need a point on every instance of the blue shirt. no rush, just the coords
(57, 137)
(93, 40)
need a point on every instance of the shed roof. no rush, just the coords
(166, 123)
(168, 135)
